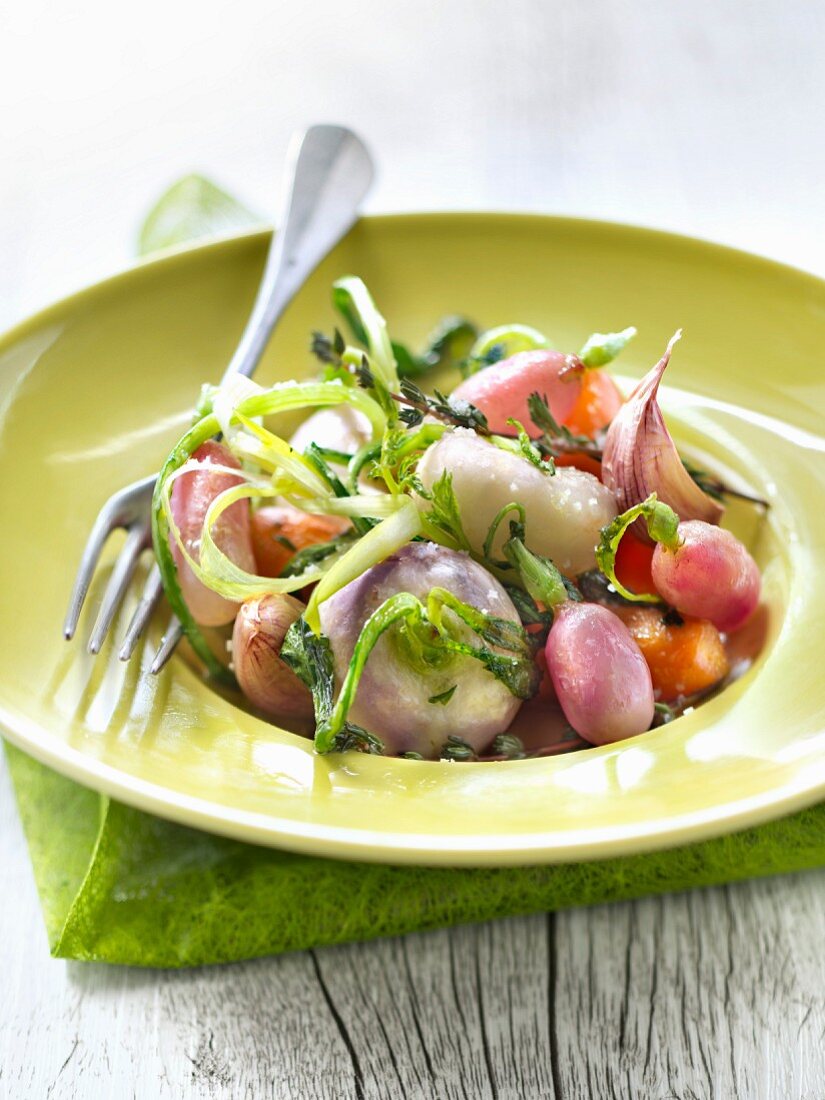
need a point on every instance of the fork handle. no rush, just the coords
(328, 173)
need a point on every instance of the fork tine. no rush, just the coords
(152, 591)
(124, 568)
(101, 529)
(174, 633)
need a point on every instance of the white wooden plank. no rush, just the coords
(712, 993)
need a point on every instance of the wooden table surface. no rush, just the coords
(702, 117)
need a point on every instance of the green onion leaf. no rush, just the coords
(662, 526)
(354, 302)
(603, 347)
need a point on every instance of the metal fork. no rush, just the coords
(328, 173)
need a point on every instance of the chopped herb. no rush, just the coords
(443, 698)
(456, 748)
(444, 513)
(287, 544)
(352, 738)
(410, 756)
(530, 451)
(557, 439)
(309, 655)
(368, 380)
(509, 746)
(490, 628)
(412, 417)
(474, 363)
(326, 349)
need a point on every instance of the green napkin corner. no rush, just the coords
(119, 886)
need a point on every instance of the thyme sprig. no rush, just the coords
(417, 404)
(556, 439)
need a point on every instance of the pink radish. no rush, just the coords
(502, 390)
(599, 675)
(192, 494)
(708, 574)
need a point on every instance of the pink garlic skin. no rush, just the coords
(640, 457)
(502, 390)
(599, 674)
(191, 496)
(710, 576)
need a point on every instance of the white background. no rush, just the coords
(702, 116)
(705, 116)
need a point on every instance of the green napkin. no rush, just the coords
(120, 886)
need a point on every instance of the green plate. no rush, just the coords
(94, 390)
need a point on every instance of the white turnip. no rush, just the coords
(565, 511)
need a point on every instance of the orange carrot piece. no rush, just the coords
(683, 659)
(278, 533)
(598, 402)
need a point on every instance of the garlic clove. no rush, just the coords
(640, 456)
(264, 678)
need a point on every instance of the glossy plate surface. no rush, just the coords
(95, 390)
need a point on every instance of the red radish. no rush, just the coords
(599, 675)
(709, 574)
(502, 390)
(192, 494)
